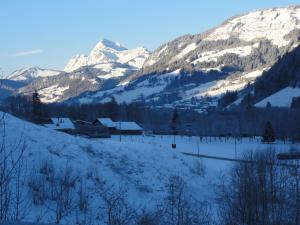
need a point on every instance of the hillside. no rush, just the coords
(128, 164)
(107, 161)
(196, 70)
(280, 84)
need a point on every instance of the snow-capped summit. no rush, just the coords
(105, 43)
(107, 51)
(31, 73)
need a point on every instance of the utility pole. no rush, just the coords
(235, 150)
(120, 122)
(120, 129)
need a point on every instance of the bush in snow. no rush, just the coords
(59, 190)
(180, 208)
(198, 167)
(116, 210)
(261, 192)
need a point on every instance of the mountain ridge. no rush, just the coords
(190, 71)
(234, 61)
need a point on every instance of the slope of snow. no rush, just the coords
(282, 98)
(111, 70)
(76, 62)
(214, 55)
(185, 51)
(106, 52)
(134, 57)
(154, 57)
(272, 24)
(130, 163)
(142, 89)
(220, 87)
(254, 74)
(142, 164)
(31, 73)
(52, 94)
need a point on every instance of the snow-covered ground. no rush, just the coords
(141, 163)
(282, 98)
(220, 87)
(214, 55)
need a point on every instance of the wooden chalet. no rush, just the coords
(128, 128)
(107, 122)
(91, 130)
(61, 124)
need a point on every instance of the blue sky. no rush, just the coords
(47, 33)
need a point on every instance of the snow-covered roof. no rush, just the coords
(128, 126)
(61, 123)
(107, 122)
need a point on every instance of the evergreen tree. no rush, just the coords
(269, 134)
(38, 113)
(295, 103)
(175, 122)
(268, 105)
(227, 99)
(36, 105)
(113, 108)
(36, 101)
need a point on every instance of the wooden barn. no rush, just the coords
(61, 124)
(111, 125)
(128, 128)
(91, 130)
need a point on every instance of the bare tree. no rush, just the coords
(179, 209)
(260, 192)
(11, 168)
(56, 189)
(117, 210)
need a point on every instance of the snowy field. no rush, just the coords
(141, 163)
(211, 146)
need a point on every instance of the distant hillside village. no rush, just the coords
(110, 118)
(99, 128)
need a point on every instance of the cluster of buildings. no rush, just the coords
(99, 128)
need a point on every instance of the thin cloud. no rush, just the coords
(26, 53)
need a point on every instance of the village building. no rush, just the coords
(61, 124)
(111, 125)
(91, 129)
(128, 128)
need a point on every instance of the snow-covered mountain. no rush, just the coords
(190, 71)
(196, 70)
(106, 52)
(31, 73)
(106, 66)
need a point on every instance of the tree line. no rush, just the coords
(231, 122)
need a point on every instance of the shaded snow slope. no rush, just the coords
(282, 98)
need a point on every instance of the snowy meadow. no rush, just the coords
(72, 179)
